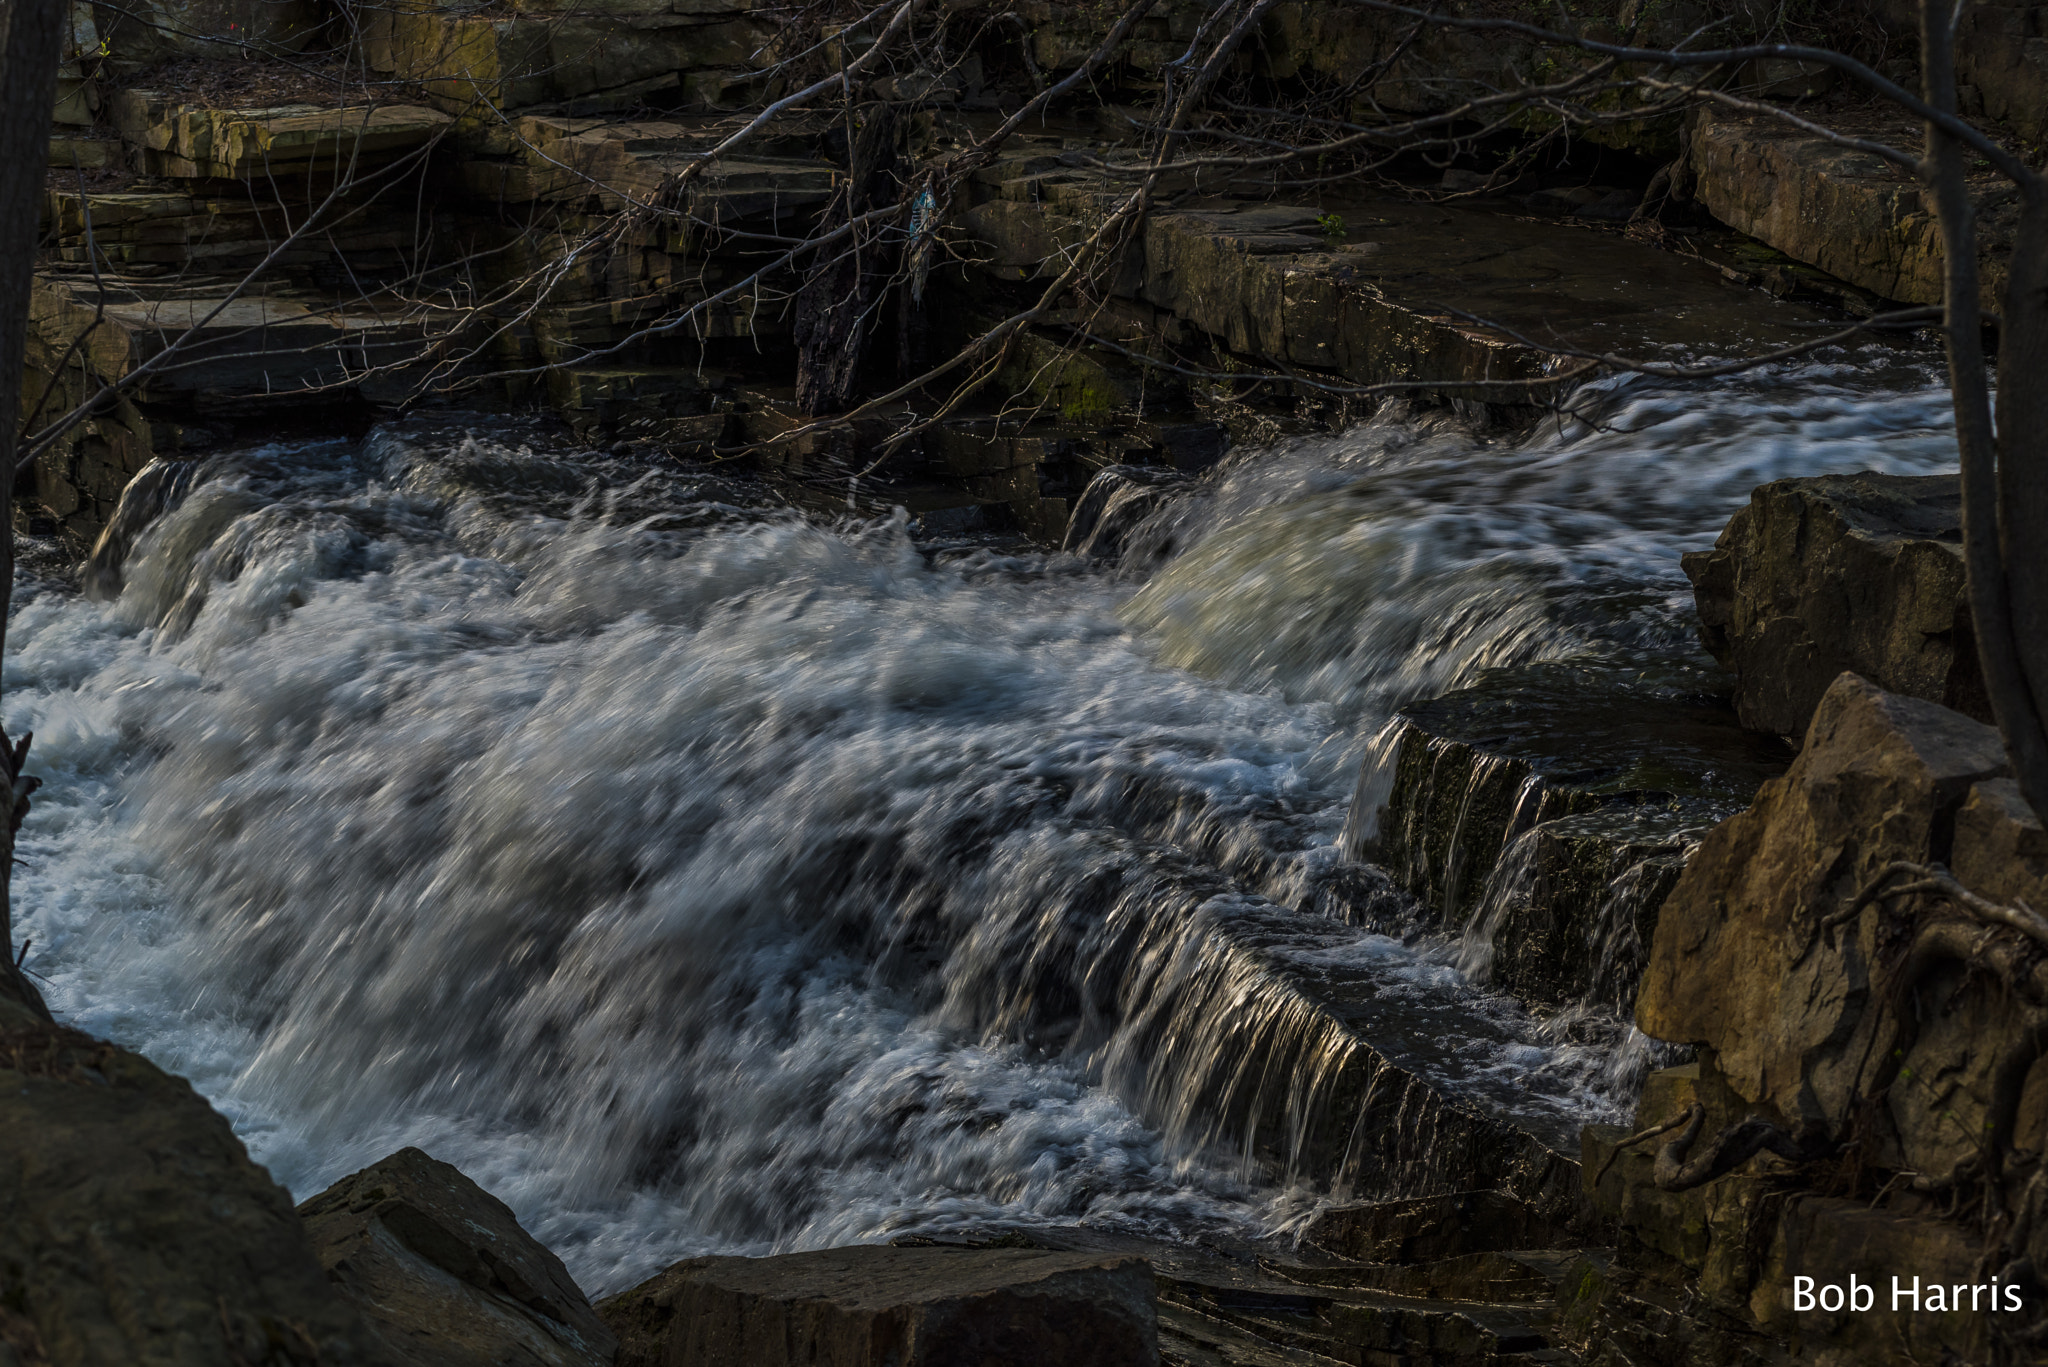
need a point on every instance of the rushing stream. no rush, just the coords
(699, 878)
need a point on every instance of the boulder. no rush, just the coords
(1739, 963)
(135, 1230)
(1842, 572)
(892, 1307)
(445, 1275)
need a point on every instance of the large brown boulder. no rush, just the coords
(445, 1275)
(134, 1230)
(1739, 962)
(1844, 572)
(892, 1307)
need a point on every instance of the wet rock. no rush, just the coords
(445, 1275)
(1112, 506)
(1842, 572)
(134, 1228)
(892, 1307)
(1544, 815)
(1737, 963)
(1432, 1228)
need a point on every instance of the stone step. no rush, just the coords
(1431, 1229)
(1373, 289)
(1547, 811)
(175, 137)
(1349, 1324)
(1522, 1276)
(1297, 1043)
(1190, 1338)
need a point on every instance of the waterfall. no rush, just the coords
(701, 878)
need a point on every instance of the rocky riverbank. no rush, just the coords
(1862, 1102)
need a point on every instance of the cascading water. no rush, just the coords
(699, 878)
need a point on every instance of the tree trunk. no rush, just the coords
(30, 34)
(836, 308)
(2023, 488)
(2008, 578)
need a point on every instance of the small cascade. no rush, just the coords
(1510, 889)
(156, 489)
(1110, 509)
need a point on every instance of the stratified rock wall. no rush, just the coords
(1739, 962)
(1895, 1041)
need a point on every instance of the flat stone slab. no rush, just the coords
(193, 141)
(892, 1307)
(1380, 290)
(1851, 214)
(554, 159)
(256, 347)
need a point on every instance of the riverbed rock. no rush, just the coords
(1432, 1228)
(1543, 816)
(134, 1228)
(1737, 962)
(445, 1275)
(1841, 572)
(892, 1307)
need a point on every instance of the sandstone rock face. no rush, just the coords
(1851, 214)
(1843, 572)
(892, 1307)
(135, 1230)
(445, 1275)
(1738, 963)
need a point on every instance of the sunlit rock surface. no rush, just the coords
(1844, 572)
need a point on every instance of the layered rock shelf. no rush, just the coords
(1544, 816)
(523, 140)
